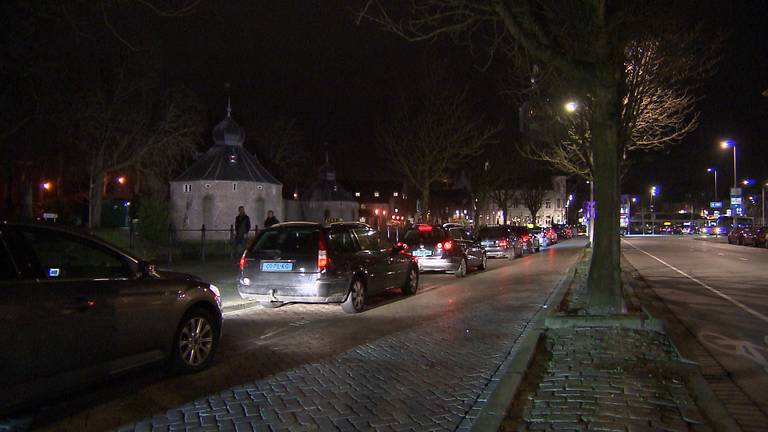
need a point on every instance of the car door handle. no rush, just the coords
(80, 304)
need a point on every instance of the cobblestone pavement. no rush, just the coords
(407, 363)
(610, 379)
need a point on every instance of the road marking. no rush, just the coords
(725, 296)
(743, 259)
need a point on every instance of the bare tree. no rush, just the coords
(433, 134)
(533, 198)
(283, 145)
(659, 106)
(585, 42)
(125, 124)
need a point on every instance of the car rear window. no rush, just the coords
(289, 240)
(492, 233)
(519, 230)
(414, 235)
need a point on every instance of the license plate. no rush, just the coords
(422, 253)
(276, 266)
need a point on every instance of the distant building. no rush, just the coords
(326, 200)
(224, 178)
(552, 211)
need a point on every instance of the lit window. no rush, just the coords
(357, 194)
(233, 158)
(187, 188)
(395, 194)
(376, 194)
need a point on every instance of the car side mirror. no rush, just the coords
(147, 269)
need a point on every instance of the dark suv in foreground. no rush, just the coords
(76, 310)
(305, 262)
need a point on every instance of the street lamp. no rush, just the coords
(765, 184)
(714, 171)
(653, 192)
(725, 145)
(571, 106)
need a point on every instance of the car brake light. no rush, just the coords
(503, 243)
(322, 255)
(447, 245)
(526, 237)
(242, 261)
(425, 227)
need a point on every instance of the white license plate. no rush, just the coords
(422, 253)
(276, 266)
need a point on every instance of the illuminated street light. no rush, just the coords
(46, 186)
(571, 106)
(120, 180)
(725, 145)
(747, 182)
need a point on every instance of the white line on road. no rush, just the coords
(744, 259)
(725, 296)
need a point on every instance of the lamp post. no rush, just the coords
(765, 184)
(725, 145)
(714, 171)
(653, 192)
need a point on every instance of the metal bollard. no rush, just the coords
(202, 243)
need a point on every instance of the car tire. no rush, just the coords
(461, 270)
(483, 262)
(270, 305)
(411, 281)
(355, 302)
(195, 342)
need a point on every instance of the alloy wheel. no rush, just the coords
(196, 341)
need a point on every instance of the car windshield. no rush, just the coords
(415, 235)
(493, 233)
(288, 240)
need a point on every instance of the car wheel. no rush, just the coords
(461, 270)
(270, 305)
(411, 282)
(355, 301)
(196, 340)
(483, 262)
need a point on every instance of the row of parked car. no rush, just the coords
(748, 236)
(76, 309)
(346, 262)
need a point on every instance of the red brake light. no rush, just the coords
(425, 228)
(242, 262)
(322, 255)
(447, 245)
(526, 237)
(503, 243)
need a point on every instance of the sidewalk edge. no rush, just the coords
(504, 384)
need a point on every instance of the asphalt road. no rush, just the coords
(719, 293)
(493, 306)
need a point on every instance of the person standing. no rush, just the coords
(242, 226)
(270, 220)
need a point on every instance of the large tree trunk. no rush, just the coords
(604, 278)
(424, 204)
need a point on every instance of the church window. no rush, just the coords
(233, 158)
(187, 187)
(259, 187)
(559, 203)
(207, 185)
(548, 204)
(394, 194)
(234, 187)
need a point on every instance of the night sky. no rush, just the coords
(309, 60)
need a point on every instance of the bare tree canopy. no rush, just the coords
(434, 133)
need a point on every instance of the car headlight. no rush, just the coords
(215, 290)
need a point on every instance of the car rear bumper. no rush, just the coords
(493, 252)
(439, 263)
(317, 291)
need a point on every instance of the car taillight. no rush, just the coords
(447, 245)
(242, 261)
(322, 255)
(526, 237)
(503, 243)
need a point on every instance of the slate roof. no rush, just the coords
(326, 188)
(227, 159)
